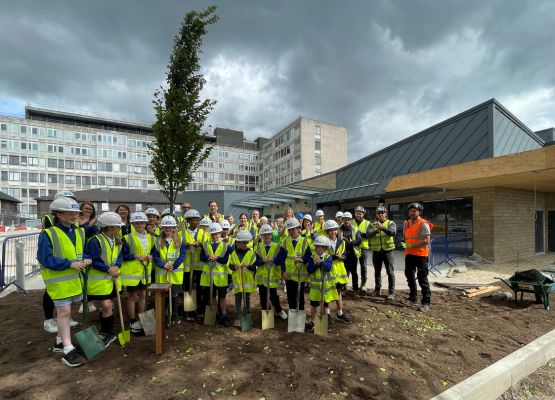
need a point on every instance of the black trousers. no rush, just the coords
(363, 268)
(418, 265)
(380, 258)
(47, 305)
(274, 298)
(351, 264)
(292, 294)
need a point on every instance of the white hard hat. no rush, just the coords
(339, 214)
(64, 193)
(243, 236)
(205, 222)
(263, 219)
(109, 218)
(165, 211)
(319, 213)
(347, 214)
(214, 228)
(264, 229)
(192, 214)
(168, 222)
(322, 241)
(64, 204)
(308, 216)
(360, 209)
(330, 224)
(225, 224)
(138, 217)
(292, 223)
(152, 211)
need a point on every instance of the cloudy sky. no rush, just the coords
(383, 69)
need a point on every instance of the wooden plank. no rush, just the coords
(484, 291)
(451, 272)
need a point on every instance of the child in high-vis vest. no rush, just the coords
(337, 253)
(168, 254)
(242, 263)
(194, 239)
(61, 256)
(153, 221)
(215, 255)
(105, 252)
(321, 279)
(268, 273)
(136, 269)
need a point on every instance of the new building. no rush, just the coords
(51, 149)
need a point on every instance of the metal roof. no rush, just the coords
(8, 198)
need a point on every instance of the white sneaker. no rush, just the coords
(136, 326)
(237, 323)
(50, 326)
(92, 308)
(72, 322)
(283, 315)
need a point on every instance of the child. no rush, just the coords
(266, 252)
(137, 267)
(205, 224)
(337, 253)
(320, 267)
(168, 253)
(215, 255)
(292, 257)
(242, 263)
(194, 238)
(307, 230)
(60, 254)
(105, 251)
(153, 221)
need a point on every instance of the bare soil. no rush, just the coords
(389, 352)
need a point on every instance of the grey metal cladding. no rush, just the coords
(510, 135)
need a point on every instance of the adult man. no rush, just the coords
(416, 234)
(382, 244)
(319, 223)
(362, 225)
(213, 214)
(351, 236)
(181, 220)
(255, 221)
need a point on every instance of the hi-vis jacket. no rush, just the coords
(322, 272)
(163, 252)
(269, 274)
(236, 258)
(104, 254)
(132, 270)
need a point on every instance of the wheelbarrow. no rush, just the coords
(540, 290)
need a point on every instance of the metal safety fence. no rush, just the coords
(19, 259)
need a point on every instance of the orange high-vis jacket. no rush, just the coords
(414, 233)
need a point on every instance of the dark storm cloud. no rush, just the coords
(383, 69)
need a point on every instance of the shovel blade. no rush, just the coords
(246, 322)
(321, 325)
(148, 321)
(90, 342)
(124, 337)
(296, 321)
(190, 301)
(267, 319)
(210, 315)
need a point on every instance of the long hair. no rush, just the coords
(128, 211)
(175, 238)
(88, 203)
(117, 239)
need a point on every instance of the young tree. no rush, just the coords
(179, 145)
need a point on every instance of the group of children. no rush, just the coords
(194, 253)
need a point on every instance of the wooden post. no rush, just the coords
(160, 290)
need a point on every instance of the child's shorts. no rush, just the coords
(68, 300)
(317, 303)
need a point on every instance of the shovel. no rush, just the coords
(125, 335)
(190, 296)
(321, 322)
(268, 315)
(169, 324)
(246, 319)
(210, 310)
(148, 318)
(297, 318)
(89, 340)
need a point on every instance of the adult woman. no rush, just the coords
(124, 212)
(87, 218)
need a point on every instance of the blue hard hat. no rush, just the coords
(299, 215)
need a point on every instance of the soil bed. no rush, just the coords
(390, 352)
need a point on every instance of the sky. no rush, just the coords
(383, 69)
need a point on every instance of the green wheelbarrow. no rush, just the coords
(540, 290)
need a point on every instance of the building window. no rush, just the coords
(317, 145)
(14, 160)
(318, 160)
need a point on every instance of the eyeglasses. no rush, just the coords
(87, 209)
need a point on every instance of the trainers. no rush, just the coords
(408, 302)
(362, 292)
(424, 308)
(237, 323)
(50, 326)
(176, 319)
(309, 327)
(375, 293)
(136, 326)
(344, 318)
(73, 359)
(107, 338)
(58, 347)
(282, 314)
(225, 321)
(92, 308)
(390, 297)
(72, 322)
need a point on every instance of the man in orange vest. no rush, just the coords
(416, 234)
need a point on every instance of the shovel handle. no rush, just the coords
(115, 278)
(323, 292)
